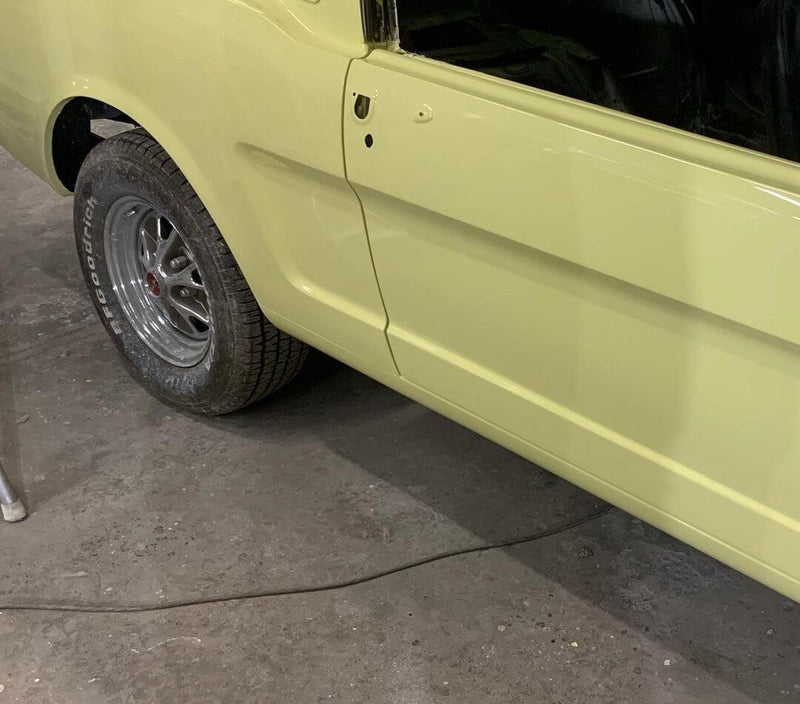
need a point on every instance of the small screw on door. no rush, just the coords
(425, 114)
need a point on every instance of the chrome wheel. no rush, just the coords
(157, 282)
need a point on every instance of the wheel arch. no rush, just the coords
(69, 137)
(66, 146)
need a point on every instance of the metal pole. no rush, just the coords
(13, 509)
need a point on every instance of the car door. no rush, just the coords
(612, 297)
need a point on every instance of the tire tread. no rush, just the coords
(267, 358)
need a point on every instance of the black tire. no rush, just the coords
(247, 357)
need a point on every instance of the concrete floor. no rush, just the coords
(336, 480)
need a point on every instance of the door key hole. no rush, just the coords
(362, 107)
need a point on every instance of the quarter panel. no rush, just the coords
(31, 56)
(245, 95)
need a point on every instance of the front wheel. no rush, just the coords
(167, 287)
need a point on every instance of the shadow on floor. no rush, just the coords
(685, 600)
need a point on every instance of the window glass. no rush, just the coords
(723, 68)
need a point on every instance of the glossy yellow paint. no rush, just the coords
(216, 83)
(605, 296)
(616, 296)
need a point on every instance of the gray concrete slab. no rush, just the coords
(609, 612)
(336, 479)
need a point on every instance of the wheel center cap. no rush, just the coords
(152, 284)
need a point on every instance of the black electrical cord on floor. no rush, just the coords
(200, 601)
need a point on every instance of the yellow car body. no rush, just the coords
(609, 297)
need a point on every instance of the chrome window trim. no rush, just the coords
(379, 18)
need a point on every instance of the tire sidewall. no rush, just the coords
(103, 180)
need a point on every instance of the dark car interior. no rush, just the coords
(727, 69)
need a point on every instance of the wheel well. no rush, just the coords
(82, 124)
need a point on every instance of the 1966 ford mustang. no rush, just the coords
(571, 225)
